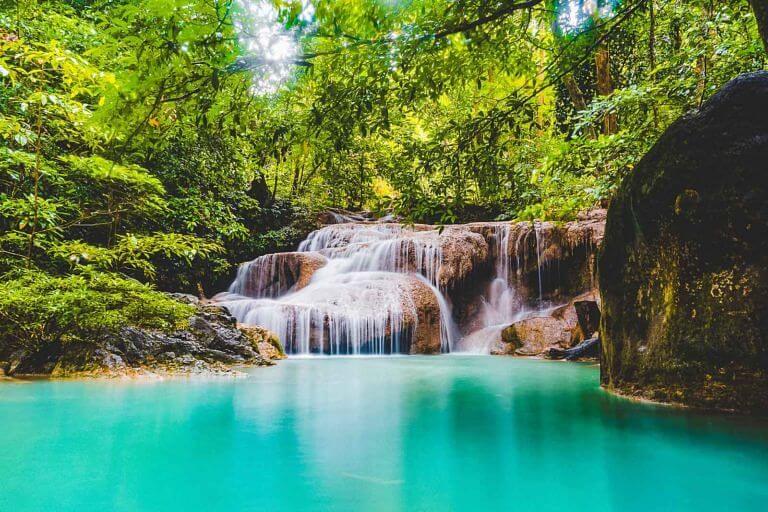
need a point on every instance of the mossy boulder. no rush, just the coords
(683, 269)
(264, 341)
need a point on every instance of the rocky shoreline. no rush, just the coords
(212, 344)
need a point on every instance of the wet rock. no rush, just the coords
(587, 349)
(86, 359)
(557, 327)
(462, 252)
(186, 298)
(588, 316)
(684, 264)
(265, 342)
(275, 274)
(423, 318)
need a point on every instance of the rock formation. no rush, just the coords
(684, 265)
(558, 327)
(211, 344)
(275, 274)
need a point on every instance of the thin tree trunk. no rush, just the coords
(578, 99)
(274, 186)
(605, 85)
(36, 178)
(702, 63)
(760, 8)
(652, 55)
(295, 181)
(362, 181)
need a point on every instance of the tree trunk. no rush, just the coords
(36, 194)
(605, 85)
(760, 8)
(578, 99)
(259, 189)
(652, 56)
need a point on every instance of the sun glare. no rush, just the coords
(269, 48)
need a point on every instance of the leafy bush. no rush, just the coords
(37, 308)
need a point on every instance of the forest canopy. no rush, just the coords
(166, 140)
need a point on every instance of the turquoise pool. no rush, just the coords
(445, 433)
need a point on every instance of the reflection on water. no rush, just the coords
(372, 434)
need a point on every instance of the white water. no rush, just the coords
(352, 313)
(365, 299)
(361, 301)
(500, 305)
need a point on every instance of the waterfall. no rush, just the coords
(354, 313)
(368, 287)
(536, 228)
(365, 298)
(500, 305)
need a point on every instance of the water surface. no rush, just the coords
(445, 433)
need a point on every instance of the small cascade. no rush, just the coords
(448, 328)
(500, 304)
(536, 231)
(418, 253)
(262, 277)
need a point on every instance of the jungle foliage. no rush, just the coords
(152, 141)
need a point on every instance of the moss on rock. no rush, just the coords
(683, 269)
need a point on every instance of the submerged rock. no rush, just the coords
(586, 349)
(684, 265)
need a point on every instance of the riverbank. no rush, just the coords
(212, 343)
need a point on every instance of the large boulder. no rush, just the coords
(462, 253)
(264, 341)
(275, 274)
(684, 264)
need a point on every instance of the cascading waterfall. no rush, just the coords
(500, 304)
(262, 277)
(368, 287)
(536, 229)
(359, 302)
(352, 313)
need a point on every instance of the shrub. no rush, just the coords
(37, 308)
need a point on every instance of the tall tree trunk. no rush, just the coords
(605, 85)
(760, 8)
(702, 62)
(36, 184)
(652, 56)
(578, 99)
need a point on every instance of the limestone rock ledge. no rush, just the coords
(558, 328)
(211, 345)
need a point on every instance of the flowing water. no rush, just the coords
(360, 302)
(446, 433)
(364, 297)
